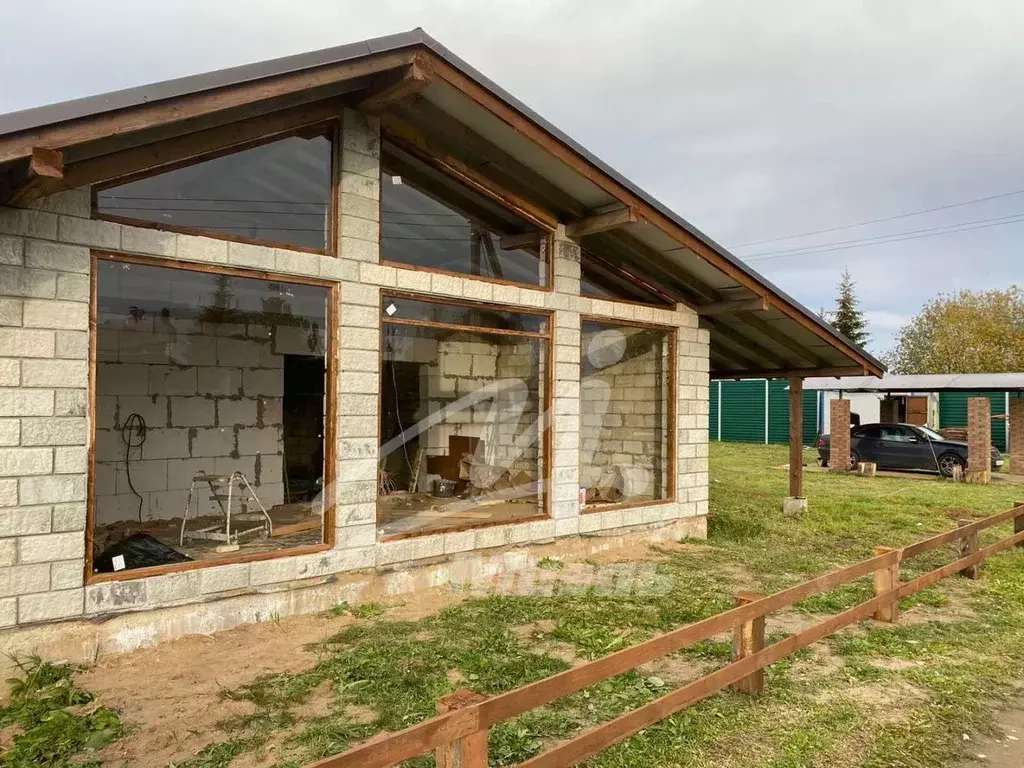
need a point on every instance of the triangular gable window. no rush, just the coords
(277, 193)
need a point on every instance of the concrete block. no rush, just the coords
(220, 382)
(10, 372)
(24, 579)
(51, 547)
(263, 381)
(296, 262)
(12, 250)
(333, 268)
(205, 249)
(70, 402)
(16, 462)
(17, 281)
(8, 493)
(72, 345)
(192, 411)
(173, 588)
(237, 412)
(94, 232)
(274, 571)
(63, 430)
(67, 574)
(51, 489)
(10, 311)
(148, 241)
(10, 432)
(125, 379)
(224, 578)
(169, 380)
(218, 441)
(24, 342)
(8, 551)
(68, 517)
(794, 507)
(113, 596)
(58, 257)
(50, 313)
(25, 521)
(55, 373)
(48, 606)
(377, 274)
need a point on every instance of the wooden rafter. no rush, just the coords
(786, 373)
(391, 89)
(766, 329)
(601, 222)
(728, 307)
(152, 158)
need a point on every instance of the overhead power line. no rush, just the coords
(894, 238)
(881, 220)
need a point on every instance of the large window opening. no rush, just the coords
(462, 404)
(277, 193)
(210, 434)
(432, 222)
(626, 414)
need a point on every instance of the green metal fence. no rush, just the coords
(757, 411)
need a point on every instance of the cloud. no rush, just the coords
(753, 120)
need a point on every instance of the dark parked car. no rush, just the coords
(905, 446)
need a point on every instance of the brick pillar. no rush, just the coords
(979, 439)
(1016, 429)
(839, 435)
(888, 412)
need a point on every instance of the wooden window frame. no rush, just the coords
(331, 130)
(545, 415)
(671, 439)
(476, 187)
(330, 417)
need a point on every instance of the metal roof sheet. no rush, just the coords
(937, 382)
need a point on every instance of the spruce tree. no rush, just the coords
(847, 318)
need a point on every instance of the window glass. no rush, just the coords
(870, 432)
(208, 386)
(896, 434)
(276, 193)
(600, 279)
(625, 404)
(461, 428)
(399, 308)
(418, 229)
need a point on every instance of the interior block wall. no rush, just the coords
(44, 396)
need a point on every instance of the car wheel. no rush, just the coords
(854, 459)
(948, 462)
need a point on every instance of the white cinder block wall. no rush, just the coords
(44, 379)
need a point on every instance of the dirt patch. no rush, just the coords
(888, 702)
(791, 622)
(1004, 750)
(319, 703)
(535, 635)
(674, 670)
(170, 696)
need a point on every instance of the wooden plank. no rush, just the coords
(181, 150)
(427, 735)
(45, 167)
(515, 242)
(748, 639)
(785, 373)
(758, 304)
(887, 581)
(765, 328)
(1018, 522)
(601, 222)
(796, 437)
(469, 751)
(47, 162)
(597, 739)
(192, 105)
(958, 533)
(394, 90)
(288, 530)
(748, 347)
(968, 546)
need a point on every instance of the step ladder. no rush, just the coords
(228, 491)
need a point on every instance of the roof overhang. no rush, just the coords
(937, 382)
(430, 100)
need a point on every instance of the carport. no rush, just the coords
(989, 397)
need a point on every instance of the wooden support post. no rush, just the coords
(470, 751)
(796, 437)
(1018, 522)
(886, 580)
(748, 639)
(968, 546)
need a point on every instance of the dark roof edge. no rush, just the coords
(37, 117)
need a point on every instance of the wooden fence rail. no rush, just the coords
(458, 735)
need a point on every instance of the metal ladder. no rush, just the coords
(223, 532)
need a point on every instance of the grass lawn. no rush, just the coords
(874, 695)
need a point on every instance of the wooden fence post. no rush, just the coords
(968, 545)
(748, 639)
(886, 580)
(469, 751)
(1018, 522)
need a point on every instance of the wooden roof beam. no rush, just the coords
(746, 344)
(727, 307)
(602, 222)
(391, 90)
(780, 373)
(767, 329)
(45, 167)
(152, 158)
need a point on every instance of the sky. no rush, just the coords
(754, 120)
